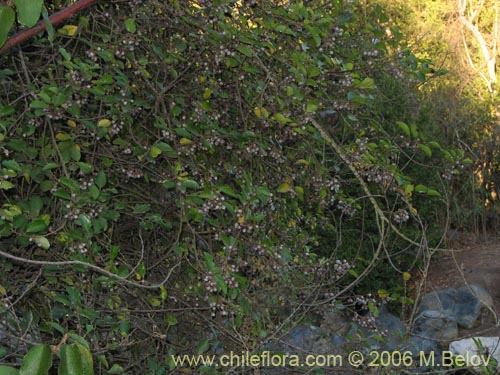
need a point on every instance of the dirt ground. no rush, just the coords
(470, 262)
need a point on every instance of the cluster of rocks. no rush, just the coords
(432, 336)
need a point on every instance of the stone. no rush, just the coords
(470, 352)
(335, 322)
(391, 328)
(462, 305)
(304, 339)
(435, 325)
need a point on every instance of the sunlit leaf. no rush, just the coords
(37, 361)
(7, 17)
(68, 30)
(28, 11)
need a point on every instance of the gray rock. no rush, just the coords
(392, 329)
(469, 347)
(304, 339)
(335, 322)
(435, 325)
(462, 305)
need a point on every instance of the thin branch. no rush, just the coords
(56, 18)
(90, 266)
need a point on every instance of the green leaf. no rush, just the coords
(130, 25)
(421, 188)
(433, 193)
(367, 83)
(244, 50)
(405, 128)
(7, 370)
(42, 242)
(12, 164)
(284, 188)
(312, 105)
(6, 185)
(425, 149)
(203, 346)
(70, 183)
(229, 191)
(36, 205)
(71, 361)
(414, 130)
(7, 17)
(38, 361)
(116, 369)
(154, 152)
(37, 104)
(171, 320)
(189, 184)
(37, 226)
(85, 222)
(100, 180)
(281, 118)
(231, 62)
(221, 284)
(87, 360)
(28, 11)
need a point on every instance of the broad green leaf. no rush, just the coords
(229, 191)
(154, 152)
(104, 123)
(12, 164)
(6, 185)
(37, 226)
(116, 369)
(42, 242)
(231, 62)
(7, 17)
(312, 105)
(87, 360)
(100, 179)
(37, 104)
(425, 149)
(71, 361)
(281, 118)
(185, 141)
(68, 30)
(38, 361)
(7, 370)
(367, 83)
(414, 130)
(433, 193)
(189, 184)
(261, 112)
(85, 222)
(405, 128)
(421, 188)
(130, 25)
(244, 50)
(221, 284)
(171, 320)
(28, 11)
(36, 204)
(63, 136)
(207, 93)
(284, 188)
(203, 346)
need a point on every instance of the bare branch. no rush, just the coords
(56, 18)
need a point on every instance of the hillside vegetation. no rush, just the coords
(205, 174)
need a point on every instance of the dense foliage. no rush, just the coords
(205, 174)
